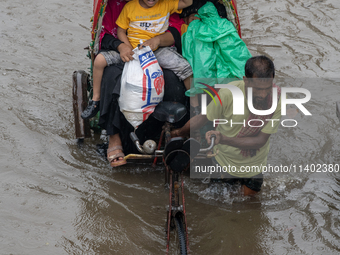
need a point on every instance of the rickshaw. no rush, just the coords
(175, 153)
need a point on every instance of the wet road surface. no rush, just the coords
(58, 199)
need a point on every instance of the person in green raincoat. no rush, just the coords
(213, 48)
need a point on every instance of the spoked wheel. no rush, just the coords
(80, 98)
(178, 244)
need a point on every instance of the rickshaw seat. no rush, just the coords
(171, 112)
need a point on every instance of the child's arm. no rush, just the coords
(121, 34)
(125, 49)
(184, 3)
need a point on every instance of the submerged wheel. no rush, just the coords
(80, 99)
(180, 236)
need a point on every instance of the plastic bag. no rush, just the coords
(222, 53)
(142, 86)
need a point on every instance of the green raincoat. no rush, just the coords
(213, 48)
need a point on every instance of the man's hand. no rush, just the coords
(178, 133)
(153, 43)
(213, 132)
(190, 18)
(126, 52)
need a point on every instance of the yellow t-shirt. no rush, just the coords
(144, 24)
(229, 155)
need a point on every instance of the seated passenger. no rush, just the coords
(223, 53)
(110, 50)
(145, 29)
(133, 28)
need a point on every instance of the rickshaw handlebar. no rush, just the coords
(212, 144)
(135, 140)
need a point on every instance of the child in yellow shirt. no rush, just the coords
(145, 19)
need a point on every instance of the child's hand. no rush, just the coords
(153, 43)
(126, 52)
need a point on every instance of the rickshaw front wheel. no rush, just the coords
(180, 236)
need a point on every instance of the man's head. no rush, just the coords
(148, 3)
(260, 73)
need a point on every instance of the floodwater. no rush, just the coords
(58, 199)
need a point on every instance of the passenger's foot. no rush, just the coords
(116, 159)
(91, 110)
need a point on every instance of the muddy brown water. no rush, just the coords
(58, 199)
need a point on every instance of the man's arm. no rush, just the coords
(184, 3)
(166, 39)
(194, 123)
(255, 142)
(162, 40)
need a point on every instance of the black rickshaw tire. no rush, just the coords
(80, 84)
(181, 236)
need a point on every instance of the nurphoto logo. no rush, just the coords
(238, 104)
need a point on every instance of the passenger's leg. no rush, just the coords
(193, 100)
(170, 59)
(98, 69)
(101, 61)
(93, 106)
(115, 153)
(187, 82)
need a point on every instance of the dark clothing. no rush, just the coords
(109, 42)
(253, 183)
(199, 3)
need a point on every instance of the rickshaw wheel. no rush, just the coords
(179, 236)
(80, 100)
